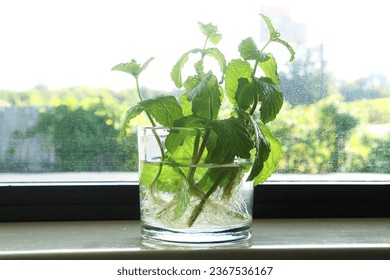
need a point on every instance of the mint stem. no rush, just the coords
(155, 136)
(199, 208)
(191, 173)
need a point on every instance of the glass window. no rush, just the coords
(61, 106)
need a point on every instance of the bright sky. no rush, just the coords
(62, 43)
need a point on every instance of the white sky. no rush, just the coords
(62, 43)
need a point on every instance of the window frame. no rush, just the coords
(19, 203)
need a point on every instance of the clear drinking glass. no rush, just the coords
(185, 198)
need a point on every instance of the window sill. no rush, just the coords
(272, 239)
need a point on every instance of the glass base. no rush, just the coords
(198, 236)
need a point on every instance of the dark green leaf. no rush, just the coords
(191, 122)
(235, 70)
(274, 156)
(211, 32)
(245, 94)
(130, 114)
(164, 109)
(270, 96)
(132, 68)
(262, 151)
(206, 98)
(234, 136)
(249, 51)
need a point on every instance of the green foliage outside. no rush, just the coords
(335, 136)
(307, 143)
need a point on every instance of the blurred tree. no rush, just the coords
(373, 86)
(306, 81)
(85, 141)
(334, 129)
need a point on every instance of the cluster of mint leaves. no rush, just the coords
(256, 100)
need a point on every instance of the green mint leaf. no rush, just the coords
(262, 151)
(176, 74)
(170, 180)
(245, 94)
(191, 122)
(143, 67)
(274, 37)
(270, 96)
(249, 51)
(274, 156)
(130, 114)
(211, 32)
(199, 69)
(164, 109)
(177, 136)
(191, 83)
(270, 69)
(234, 136)
(272, 32)
(215, 153)
(206, 98)
(287, 45)
(218, 56)
(182, 200)
(185, 105)
(133, 68)
(235, 70)
(180, 146)
(147, 173)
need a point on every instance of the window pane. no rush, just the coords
(61, 106)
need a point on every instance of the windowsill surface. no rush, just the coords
(271, 239)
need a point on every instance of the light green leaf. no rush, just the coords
(178, 136)
(199, 69)
(191, 83)
(218, 56)
(130, 114)
(176, 74)
(262, 151)
(235, 70)
(274, 37)
(270, 69)
(164, 109)
(206, 98)
(182, 200)
(143, 67)
(185, 105)
(249, 51)
(287, 45)
(274, 156)
(270, 96)
(148, 172)
(170, 180)
(133, 68)
(272, 32)
(211, 32)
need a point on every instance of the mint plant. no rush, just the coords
(255, 101)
